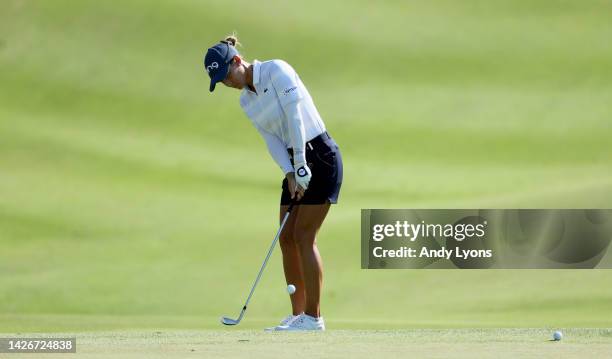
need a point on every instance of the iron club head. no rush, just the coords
(228, 321)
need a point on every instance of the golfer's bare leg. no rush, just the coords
(292, 261)
(307, 224)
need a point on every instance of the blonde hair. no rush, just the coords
(232, 40)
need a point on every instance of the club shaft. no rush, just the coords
(263, 266)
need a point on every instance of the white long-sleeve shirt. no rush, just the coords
(282, 111)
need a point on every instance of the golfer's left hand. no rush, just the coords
(302, 175)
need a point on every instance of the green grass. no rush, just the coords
(130, 197)
(465, 343)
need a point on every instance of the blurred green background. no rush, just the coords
(130, 197)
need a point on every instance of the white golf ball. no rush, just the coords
(557, 335)
(290, 289)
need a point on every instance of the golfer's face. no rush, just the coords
(234, 78)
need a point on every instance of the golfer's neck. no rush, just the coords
(249, 76)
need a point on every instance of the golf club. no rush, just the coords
(230, 321)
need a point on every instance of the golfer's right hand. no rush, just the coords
(296, 191)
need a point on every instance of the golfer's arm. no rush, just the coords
(277, 150)
(297, 133)
(287, 86)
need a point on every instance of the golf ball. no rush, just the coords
(290, 289)
(557, 335)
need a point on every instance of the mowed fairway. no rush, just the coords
(358, 344)
(132, 199)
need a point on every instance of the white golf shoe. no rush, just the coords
(283, 323)
(303, 322)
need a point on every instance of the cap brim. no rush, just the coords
(220, 76)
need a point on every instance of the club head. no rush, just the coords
(229, 321)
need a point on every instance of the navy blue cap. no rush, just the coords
(217, 61)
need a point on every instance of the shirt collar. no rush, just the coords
(256, 77)
(256, 71)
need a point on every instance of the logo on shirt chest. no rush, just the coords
(265, 90)
(289, 90)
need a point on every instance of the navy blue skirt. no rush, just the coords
(325, 162)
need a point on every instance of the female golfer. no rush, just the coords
(281, 109)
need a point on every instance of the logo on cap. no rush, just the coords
(214, 65)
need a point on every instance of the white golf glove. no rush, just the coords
(302, 175)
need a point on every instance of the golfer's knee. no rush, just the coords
(286, 240)
(304, 237)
